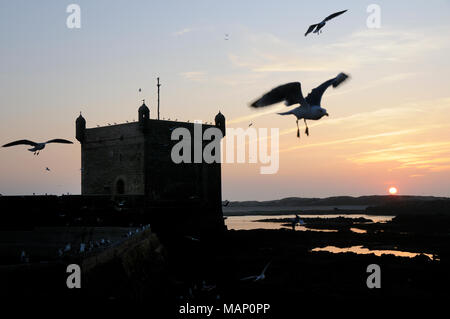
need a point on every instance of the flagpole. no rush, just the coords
(158, 85)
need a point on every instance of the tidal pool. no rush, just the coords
(250, 222)
(365, 251)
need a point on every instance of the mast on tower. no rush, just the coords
(158, 85)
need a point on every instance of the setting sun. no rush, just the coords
(393, 190)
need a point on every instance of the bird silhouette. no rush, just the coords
(316, 28)
(291, 93)
(37, 147)
(259, 277)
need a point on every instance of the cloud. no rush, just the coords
(256, 115)
(197, 76)
(424, 156)
(372, 119)
(353, 139)
(182, 31)
(267, 53)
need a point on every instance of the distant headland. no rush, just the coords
(373, 204)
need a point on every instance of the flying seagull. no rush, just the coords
(47, 169)
(37, 147)
(259, 277)
(317, 27)
(291, 93)
(191, 238)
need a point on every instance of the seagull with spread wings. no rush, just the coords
(259, 277)
(36, 147)
(291, 93)
(316, 28)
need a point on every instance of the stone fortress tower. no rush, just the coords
(134, 159)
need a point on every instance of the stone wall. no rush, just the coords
(113, 155)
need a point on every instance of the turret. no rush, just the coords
(80, 125)
(220, 122)
(143, 116)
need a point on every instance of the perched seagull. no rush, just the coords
(206, 287)
(23, 256)
(320, 25)
(36, 146)
(291, 93)
(261, 276)
(297, 220)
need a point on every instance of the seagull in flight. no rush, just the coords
(47, 169)
(316, 28)
(259, 277)
(291, 93)
(37, 147)
(191, 238)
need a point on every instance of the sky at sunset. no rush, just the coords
(388, 125)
